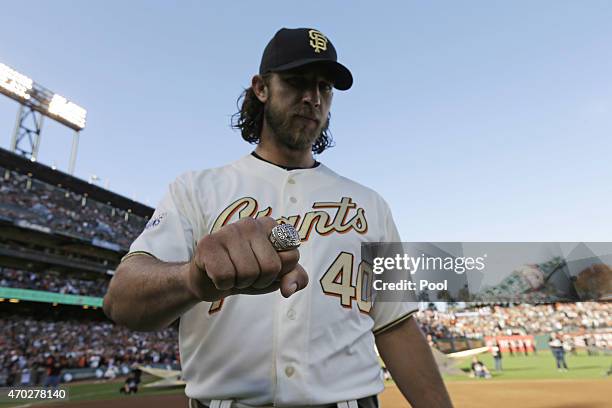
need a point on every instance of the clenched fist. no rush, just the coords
(239, 259)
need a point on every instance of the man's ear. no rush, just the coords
(260, 88)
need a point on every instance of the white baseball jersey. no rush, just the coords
(316, 347)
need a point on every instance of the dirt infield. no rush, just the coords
(130, 401)
(523, 394)
(465, 394)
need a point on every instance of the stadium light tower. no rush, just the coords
(36, 102)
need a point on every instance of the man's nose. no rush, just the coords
(312, 95)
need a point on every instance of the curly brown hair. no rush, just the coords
(250, 116)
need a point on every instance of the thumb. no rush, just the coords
(293, 281)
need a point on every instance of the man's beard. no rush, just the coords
(289, 131)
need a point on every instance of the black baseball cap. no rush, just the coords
(295, 47)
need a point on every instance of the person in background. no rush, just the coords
(54, 368)
(26, 376)
(479, 370)
(497, 356)
(131, 382)
(556, 346)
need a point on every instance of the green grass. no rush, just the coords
(103, 391)
(540, 366)
(533, 367)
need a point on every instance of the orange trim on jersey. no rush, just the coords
(394, 322)
(216, 306)
(131, 254)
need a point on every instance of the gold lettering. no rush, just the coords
(317, 41)
(343, 209)
(319, 219)
(359, 222)
(246, 207)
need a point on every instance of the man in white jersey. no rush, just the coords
(261, 327)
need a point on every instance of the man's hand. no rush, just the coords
(240, 259)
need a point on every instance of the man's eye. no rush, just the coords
(324, 87)
(294, 81)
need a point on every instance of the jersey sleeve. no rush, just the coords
(389, 314)
(168, 236)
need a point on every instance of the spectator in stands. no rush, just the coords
(79, 343)
(25, 198)
(26, 376)
(520, 319)
(38, 367)
(53, 281)
(11, 377)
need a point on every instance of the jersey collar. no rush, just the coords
(288, 168)
(260, 167)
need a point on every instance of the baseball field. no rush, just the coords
(527, 381)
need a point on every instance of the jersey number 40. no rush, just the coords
(338, 281)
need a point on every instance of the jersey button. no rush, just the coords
(293, 200)
(289, 370)
(291, 314)
(291, 181)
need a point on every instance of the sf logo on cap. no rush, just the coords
(317, 40)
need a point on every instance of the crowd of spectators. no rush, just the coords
(27, 345)
(24, 198)
(53, 281)
(522, 319)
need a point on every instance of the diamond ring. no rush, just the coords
(284, 237)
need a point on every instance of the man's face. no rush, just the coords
(298, 106)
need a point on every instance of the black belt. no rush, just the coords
(366, 402)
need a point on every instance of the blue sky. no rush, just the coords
(476, 120)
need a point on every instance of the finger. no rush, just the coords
(289, 260)
(293, 281)
(244, 261)
(269, 261)
(219, 268)
(267, 223)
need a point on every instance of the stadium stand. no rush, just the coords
(78, 341)
(586, 325)
(53, 281)
(61, 239)
(520, 319)
(62, 204)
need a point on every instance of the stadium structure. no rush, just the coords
(61, 239)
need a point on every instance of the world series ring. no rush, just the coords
(284, 237)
